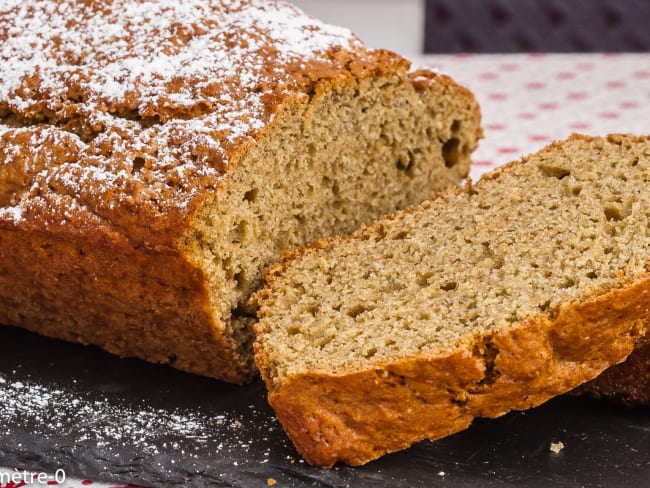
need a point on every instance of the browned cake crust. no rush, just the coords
(120, 122)
(357, 417)
(364, 408)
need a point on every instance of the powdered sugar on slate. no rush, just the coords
(108, 423)
(176, 84)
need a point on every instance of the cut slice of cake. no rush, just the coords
(156, 156)
(490, 298)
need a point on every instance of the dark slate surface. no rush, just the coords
(195, 432)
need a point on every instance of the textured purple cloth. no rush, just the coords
(506, 26)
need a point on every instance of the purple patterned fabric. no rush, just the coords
(506, 26)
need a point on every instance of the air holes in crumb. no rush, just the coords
(545, 307)
(399, 235)
(575, 191)
(240, 279)
(635, 162)
(405, 163)
(423, 280)
(568, 282)
(498, 262)
(227, 267)
(240, 232)
(250, 195)
(449, 285)
(554, 171)
(455, 126)
(313, 309)
(138, 164)
(592, 275)
(370, 353)
(357, 310)
(293, 330)
(613, 212)
(451, 152)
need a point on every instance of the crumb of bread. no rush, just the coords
(556, 447)
(271, 481)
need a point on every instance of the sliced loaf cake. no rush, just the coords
(156, 156)
(490, 298)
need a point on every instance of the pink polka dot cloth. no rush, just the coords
(529, 100)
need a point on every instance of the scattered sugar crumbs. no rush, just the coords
(107, 423)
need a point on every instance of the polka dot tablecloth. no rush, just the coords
(528, 101)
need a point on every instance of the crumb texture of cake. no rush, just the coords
(156, 155)
(490, 298)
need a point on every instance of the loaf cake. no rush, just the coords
(156, 155)
(489, 298)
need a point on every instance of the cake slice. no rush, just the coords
(156, 155)
(490, 298)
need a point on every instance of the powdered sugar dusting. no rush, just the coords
(109, 423)
(158, 94)
(147, 49)
(12, 213)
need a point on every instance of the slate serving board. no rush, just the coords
(110, 419)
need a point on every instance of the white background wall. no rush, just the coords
(397, 25)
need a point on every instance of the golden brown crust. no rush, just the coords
(98, 289)
(361, 415)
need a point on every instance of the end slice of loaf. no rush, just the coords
(490, 298)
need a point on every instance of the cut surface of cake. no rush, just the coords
(490, 298)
